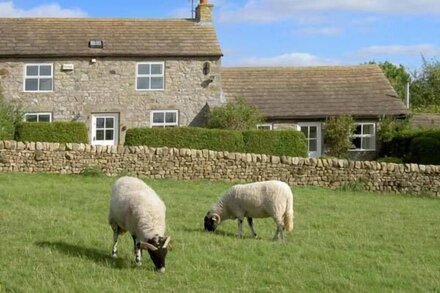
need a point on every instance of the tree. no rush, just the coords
(397, 76)
(237, 114)
(338, 132)
(425, 89)
(10, 116)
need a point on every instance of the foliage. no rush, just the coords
(62, 132)
(425, 150)
(10, 116)
(357, 185)
(389, 127)
(390, 160)
(237, 115)
(92, 171)
(338, 132)
(397, 76)
(59, 224)
(425, 88)
(279, 142)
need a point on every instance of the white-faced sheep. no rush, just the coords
(136, 208)
(255, 200)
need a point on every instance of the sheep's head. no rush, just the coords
(212, 220)
(157, 248)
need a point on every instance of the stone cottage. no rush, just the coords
(114, 74)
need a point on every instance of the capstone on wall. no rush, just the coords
(204, 164)
(108, 86)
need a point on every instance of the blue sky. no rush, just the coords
(285, 32)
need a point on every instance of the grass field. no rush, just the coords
(55, 238)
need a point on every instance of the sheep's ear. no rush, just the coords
(167, 241)
(149, 246)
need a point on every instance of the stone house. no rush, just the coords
(114, 74)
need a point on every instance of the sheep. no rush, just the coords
(254, 200)
(136, 208)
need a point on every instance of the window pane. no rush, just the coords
(368, 143)
(100, 122)
(368, 129)
(313, 131)
(356, 143)
(45, 84)
(45, 70)
(156, 68)
(305, 130)
(358, 129)
(313, 145)
(158, 118)
(170, 117)
(100, 135)
(31, 118)
(143, 83)
(156, 83)
(44, 118)
(32, 70)
(143, 68)
(31, 84)
(109, 123)
(109, 135)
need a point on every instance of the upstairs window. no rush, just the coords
(167, 118)
(364, 138)
(264, 126)
(150, 76)
(96, 44)
(38, 117)
(38, 78)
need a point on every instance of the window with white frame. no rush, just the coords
(364, 137)
(166, 118)
(38, 117)
(265, 126)
(38, 77)
(150, 76)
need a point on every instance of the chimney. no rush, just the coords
(204, 12)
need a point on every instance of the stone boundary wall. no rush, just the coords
(204, 164)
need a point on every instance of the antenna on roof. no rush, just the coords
(192, 9)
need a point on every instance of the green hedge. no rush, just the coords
(415, 146)
(286, 142)
(62, 132)
(278, 143)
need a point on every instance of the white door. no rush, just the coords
(105, 129)
(312, 131)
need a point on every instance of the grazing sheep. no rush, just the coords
(136, 208)
(255, 200)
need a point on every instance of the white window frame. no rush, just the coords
(164, 124)
(38, 115)
(362, 135)
(150, 76)
(265, 126)
(38, 77)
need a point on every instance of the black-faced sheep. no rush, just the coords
(136, 208)
(255, 200)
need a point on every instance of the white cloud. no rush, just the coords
(325, 31)
(8, 9)
(421, 49)
(279, 10)
(291, 59)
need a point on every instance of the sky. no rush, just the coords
(285, 32)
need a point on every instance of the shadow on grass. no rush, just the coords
(93, 254)
(218, 232)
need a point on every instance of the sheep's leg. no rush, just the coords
(251, 225)
(279, 234)
(137, 250)
(240, 228)
(115, 229)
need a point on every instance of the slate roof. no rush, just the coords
(63, 37)
(314, 92)
(426, 120)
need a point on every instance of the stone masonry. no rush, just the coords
(189, 164)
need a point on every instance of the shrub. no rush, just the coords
(279, 143)
(10, 116)
(237, 114)
(186, 137)
(390, 127)
(62, 132)
(338, 132)
(425, 150)
(390, 160)
(92, 171)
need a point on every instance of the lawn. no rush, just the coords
(55, 238)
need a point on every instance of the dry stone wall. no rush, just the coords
(204, 164)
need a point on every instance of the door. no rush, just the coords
(312, 132)
(105, 129)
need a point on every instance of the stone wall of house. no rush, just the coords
(204, 164)
(108, 86)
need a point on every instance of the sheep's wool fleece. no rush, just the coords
(257, 200)
(136, 208)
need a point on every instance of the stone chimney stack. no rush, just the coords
(204, 12)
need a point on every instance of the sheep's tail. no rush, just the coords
(288, 215)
